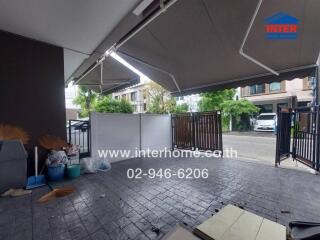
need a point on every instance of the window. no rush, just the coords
(124, 96)
(275, 87)
(257, 89)
(133, 96)
(282, 105)
(116, 97)
(266, 117)
(307, 83)
(304, 104)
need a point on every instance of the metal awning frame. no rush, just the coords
(116, 46)
(208, 87)
(245, 40)
(163, 8)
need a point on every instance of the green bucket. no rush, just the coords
(73, 171)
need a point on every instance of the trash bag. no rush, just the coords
(104, 165)
(57, 158)
(87, 165)
(91, 165)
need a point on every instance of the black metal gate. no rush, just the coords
(197, 131)
(78, 132)
(299, 135)
(283, 147)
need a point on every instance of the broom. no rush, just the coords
(56, 193)
(10, 132)
(51, 142)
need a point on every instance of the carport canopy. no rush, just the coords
(108, 76)
(194, 45)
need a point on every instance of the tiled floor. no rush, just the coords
(111, 206)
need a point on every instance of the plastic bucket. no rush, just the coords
(73, 171)
(56, 172)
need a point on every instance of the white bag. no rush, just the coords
(90, 165)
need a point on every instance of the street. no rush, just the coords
(259, 147)
(254, 146)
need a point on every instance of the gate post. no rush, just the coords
(317, 138)
(69, 132)
(295, 134)
(172, 132)
(193, 137)
(277, 157)
(219, 119)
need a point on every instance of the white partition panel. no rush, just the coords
(155, 131)
(126, 134)
(115, 132)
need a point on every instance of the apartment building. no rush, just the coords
(136, 95)
(191, 100)
(269, 96)
(72, 110)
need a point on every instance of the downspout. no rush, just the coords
(245, 39)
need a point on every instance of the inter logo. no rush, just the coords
(281, 26)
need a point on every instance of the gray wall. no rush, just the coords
(113, 131)
(155, 131)
(32, 88)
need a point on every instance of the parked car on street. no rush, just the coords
(265, 122)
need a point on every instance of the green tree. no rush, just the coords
(106, 104)
(238, 107)
(86, 99)
(161, 101)
(211, 101)
(182, 108)
(158, 99)
(239, 111)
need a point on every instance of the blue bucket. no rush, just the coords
(56, 172)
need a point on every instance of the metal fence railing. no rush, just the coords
(201, 131)
(78, 132)
(299, 136)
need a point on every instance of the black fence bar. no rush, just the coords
(283, 150)
(201, 131)
(304, 122)
(79, 134)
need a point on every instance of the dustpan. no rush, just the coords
(56, 193)
(37, 180)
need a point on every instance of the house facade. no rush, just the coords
(137, 95)
(72, 110)
(269, 96)
(192, 101)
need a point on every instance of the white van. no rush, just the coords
(265, 122)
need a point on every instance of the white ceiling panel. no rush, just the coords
(78, 25)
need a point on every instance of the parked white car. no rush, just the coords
(265, 122)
